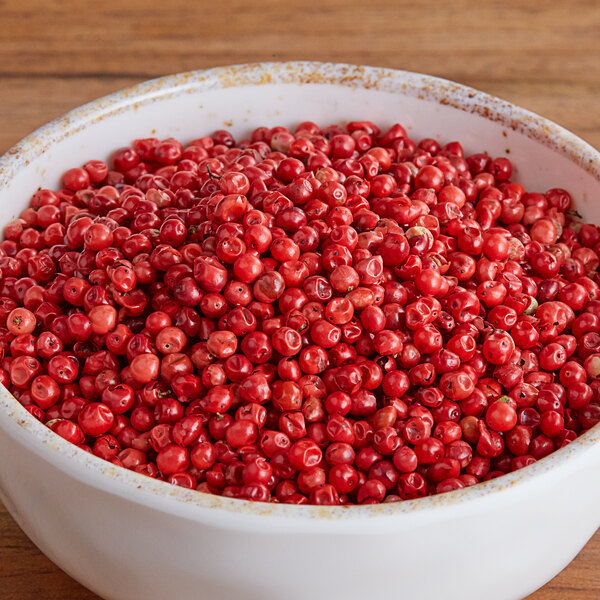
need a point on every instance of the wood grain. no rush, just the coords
(495, 40)
(55, 55)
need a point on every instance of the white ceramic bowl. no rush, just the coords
(128, 537)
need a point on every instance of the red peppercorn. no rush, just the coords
(366, 318)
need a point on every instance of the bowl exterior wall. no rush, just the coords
(122, 550)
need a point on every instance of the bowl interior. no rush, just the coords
(239, 99)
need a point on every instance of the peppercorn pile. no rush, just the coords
(330, 316)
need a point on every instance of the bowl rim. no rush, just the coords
(170, 498)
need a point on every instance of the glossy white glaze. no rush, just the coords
(128, 537)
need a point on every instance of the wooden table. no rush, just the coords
(56, 55)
